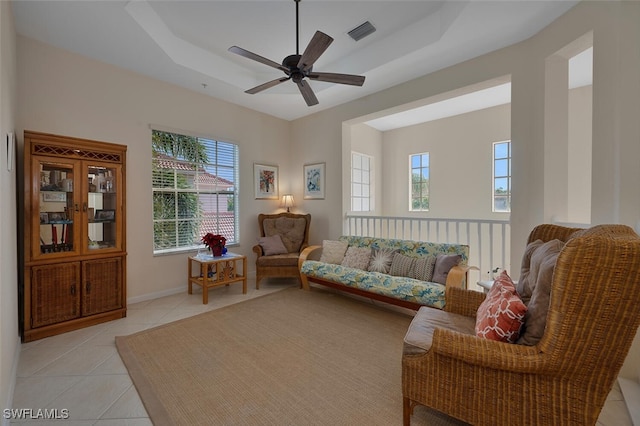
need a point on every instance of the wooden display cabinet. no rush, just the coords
(74, 234)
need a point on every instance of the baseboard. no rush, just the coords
(156, 295)
(631, 393)
(251, 275)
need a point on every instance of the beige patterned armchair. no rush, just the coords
(282, 237)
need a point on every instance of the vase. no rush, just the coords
(216, 251)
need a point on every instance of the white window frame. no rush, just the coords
(421, 167)
(216, 185)
(495, 177)
(362, 199)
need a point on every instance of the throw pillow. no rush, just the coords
(525, 285)
(423, 269)
(381, 260)
(357, 257)
(402, 266)
(444, 263)
(543, 262)
(272, 245)
(501, 315)
(290, 229)
(333, 251)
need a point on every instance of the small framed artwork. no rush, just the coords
(265, 181)
(54, 196)
(104, 215)
(314, 181)
(44, 217)
(56, 217)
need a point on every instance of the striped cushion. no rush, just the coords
(402, 266)
(423, 270)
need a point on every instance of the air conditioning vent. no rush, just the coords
(362, 30)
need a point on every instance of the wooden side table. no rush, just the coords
(216, 272)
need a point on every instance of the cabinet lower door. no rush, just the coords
(102, 287)
(55, 293)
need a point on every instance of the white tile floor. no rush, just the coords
(81, 371)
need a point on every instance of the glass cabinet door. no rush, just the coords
(103, 221)
(58, 208)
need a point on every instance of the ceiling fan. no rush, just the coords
(298, 67)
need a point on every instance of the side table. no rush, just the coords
(216, 272)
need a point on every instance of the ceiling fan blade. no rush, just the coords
(250, 55)
(266, 85)
(316, 47)
(307, 93)
(354, 80)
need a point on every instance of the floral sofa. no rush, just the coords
(410, 280)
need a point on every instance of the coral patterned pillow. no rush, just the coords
(501, 315)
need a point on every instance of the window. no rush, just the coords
(502, 176)
(195, 191)
(419, 182)
(361, 198)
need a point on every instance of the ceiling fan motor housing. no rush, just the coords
(291, 62)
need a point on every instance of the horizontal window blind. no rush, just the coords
(195, 190)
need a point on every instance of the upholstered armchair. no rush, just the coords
(565, 377)
(282, 237)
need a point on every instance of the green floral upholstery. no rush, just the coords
(403, 288)
(409, 247)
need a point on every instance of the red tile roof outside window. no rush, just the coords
(215, 217)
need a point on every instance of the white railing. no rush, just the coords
(488, 240)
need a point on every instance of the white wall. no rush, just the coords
(66, 94)
(10, 343)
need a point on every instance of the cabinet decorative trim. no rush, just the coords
(62, 151)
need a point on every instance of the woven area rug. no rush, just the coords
(289, 358)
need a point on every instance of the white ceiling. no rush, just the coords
(185, 42)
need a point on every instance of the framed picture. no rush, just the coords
(104, 215)
(55, 217)
(54, 196)
(44, 217)
(314, 181)
(265, 181)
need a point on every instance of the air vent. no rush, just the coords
(362, 30)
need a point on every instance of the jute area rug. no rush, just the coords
(289, 358)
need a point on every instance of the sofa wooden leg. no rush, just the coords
(304, 282)
(406, 411)
(258, 278)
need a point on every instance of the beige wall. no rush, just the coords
(580, 158)
(63, 93)
(9, 340)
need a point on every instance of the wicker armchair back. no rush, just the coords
(565, 378)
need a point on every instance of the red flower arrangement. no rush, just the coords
(215, 243)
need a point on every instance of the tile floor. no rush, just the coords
(81, 371)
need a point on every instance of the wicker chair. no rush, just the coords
(564, 379)
(294, 232)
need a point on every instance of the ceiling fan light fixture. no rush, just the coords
(362, 30)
